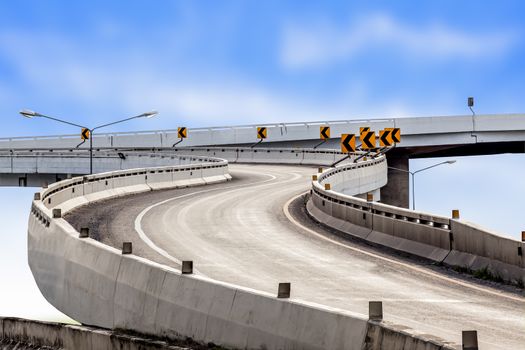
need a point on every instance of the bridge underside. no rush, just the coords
(396, 192)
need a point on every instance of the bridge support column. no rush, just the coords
(397, 190)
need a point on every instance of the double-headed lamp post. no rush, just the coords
(32, 114)
(413, 174)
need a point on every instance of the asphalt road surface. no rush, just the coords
(251, 232)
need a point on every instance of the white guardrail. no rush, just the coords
(96, 284)
(433, 237)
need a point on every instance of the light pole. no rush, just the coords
(31, 114)
(413, 175)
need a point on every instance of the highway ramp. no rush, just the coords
(246, 232)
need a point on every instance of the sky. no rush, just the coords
(206, 63)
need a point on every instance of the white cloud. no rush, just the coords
(313, 44)
(130, 86)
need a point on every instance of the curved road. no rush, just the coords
(248, 232)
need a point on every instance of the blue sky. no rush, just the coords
(209, 63)
(203, 63)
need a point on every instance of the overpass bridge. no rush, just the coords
(255, 225)
(421, 137)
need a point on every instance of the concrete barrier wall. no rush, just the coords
(77, 162)
(433, 237)
(16, 333)
(267, 155)
(477, 248)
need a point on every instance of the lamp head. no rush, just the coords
(149, 114)
(451, 161)
(28, 113)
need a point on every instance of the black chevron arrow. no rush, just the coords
(85, 134)
(384, 137)
(346, 142)
(323, 132)
(395, 135)
(261, 133)
(182, 133)
(366, 139)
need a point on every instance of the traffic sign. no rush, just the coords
(385, 138)
(85, 134)
(347, 143)
(368, 140)
(363, 129)
(324, 132)
(182, 132)
(396, 134)
(261, 132)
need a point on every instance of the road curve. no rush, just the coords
(242, 232)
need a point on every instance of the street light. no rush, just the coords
(413, 174)
(31, 114)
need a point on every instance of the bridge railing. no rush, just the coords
(433, 237)
(417, 129)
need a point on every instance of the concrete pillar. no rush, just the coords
(397, 190)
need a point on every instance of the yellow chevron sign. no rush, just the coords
(182, 132)
(85, 134)
(262, 132)
(347, 143)
(324, 132)
(368, 140)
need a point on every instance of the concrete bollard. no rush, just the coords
(84, 232)
(57, 213)
(327, 187)
(320, 170)
(455, 214)
(187, 267)
(36, 197)
(127, 248)
(284, 290)
(314, 177)
(469, 340)
(369, 197)
(523, 236)
(375, 310)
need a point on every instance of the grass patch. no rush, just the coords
(486, 275)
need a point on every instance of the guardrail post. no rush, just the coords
(375, 310)
(327, 187)
(127, 248)
(284, 290)
(84, 232)
(469, 339)
(455, 214)
(57, 213)
(187, 267)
